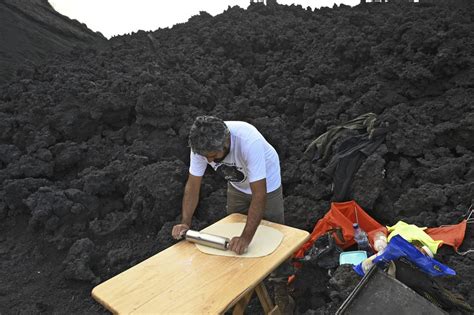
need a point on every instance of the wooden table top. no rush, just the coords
(183, 280)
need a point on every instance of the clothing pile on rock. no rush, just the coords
(350, 153)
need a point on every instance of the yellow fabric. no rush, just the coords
(411, 233)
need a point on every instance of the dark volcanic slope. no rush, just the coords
(93, 154)
(32, 30)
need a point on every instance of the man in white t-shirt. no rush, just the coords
(237, 151)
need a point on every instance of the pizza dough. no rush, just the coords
(264, 242)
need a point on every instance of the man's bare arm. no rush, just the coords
(190, 201)
(254, 216)
(190, 198)
(256, 209)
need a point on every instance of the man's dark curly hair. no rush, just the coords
(208, 134)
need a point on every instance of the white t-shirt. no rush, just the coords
(250, 158)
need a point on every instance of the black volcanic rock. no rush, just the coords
(94, 152)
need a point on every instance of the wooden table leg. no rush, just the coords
(241, 305)
(263, 296)
(265, 300)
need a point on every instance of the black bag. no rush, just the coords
(324, 252)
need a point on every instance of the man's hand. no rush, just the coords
(239, 245)
(179, 230)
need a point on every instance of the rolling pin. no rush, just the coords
(209, 240)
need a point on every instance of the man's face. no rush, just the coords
(216, 156)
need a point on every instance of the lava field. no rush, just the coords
(93, 137)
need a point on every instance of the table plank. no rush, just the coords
(181, 279)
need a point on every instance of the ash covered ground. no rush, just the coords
(93, 143)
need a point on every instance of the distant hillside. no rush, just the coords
(32, 30)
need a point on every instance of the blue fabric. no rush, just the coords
(399, 247)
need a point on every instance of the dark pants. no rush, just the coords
(239, 202)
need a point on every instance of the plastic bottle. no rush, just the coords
(380, 241)
(361, 238)
(368, 263)
(379, 246)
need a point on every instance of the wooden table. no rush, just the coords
(183, 280)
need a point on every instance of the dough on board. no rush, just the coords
(264, 242)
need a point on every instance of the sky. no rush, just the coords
(119, 17)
